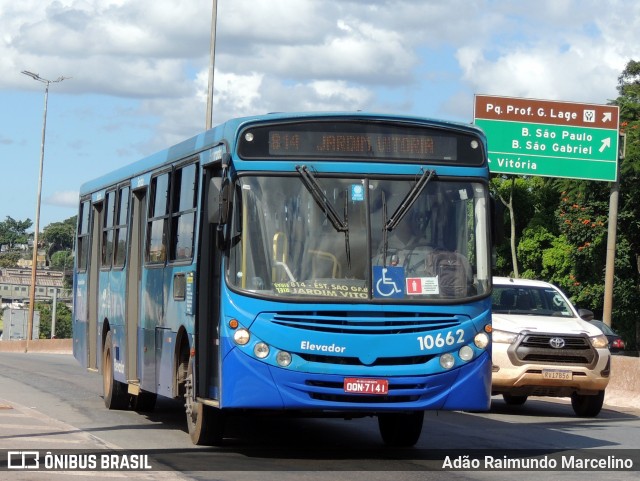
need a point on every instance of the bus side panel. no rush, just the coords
(165, 349)
(80, 320)
(147, 359)
(112, 309)
(152, 316)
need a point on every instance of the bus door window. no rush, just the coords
(184, 203)
(157, 224)
(83, 235)
(108, 229)
(120, 228)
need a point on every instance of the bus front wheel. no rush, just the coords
(205, 423)
(401, 429)
(115, 392)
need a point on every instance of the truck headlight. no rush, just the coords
(599, 342)
(504, 337)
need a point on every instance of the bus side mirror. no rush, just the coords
(213, 200)
(218, 201)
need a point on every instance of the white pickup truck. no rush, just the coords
(541, 347)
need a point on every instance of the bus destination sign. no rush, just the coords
(404, 146)
(549, 138)
(360, 141)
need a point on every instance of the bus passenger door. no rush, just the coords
(134, 276)
(92, 288)
(207, 330)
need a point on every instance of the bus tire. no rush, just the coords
(115, 392)
(205, 423)
(401, 429)
(145, 402)
(586, 406)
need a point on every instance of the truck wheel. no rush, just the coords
(115, 392)
(205, 423)
(587, 406)
(514, 400)
(401, 429)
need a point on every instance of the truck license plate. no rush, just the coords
(555, 374)
(366, 386)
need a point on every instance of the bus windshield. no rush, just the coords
(364, 238)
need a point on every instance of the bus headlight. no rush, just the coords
(283, 358)
(241, 337)
(261, 350)
(447, 361)
(465, 353)
(481, 340)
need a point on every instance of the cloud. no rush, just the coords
(63, 199)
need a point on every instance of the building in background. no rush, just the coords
(15, 286)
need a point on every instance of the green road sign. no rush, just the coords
(548, 138)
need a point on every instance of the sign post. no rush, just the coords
(549, 138)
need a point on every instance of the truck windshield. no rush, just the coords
(286, 243)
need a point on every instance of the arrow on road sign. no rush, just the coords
(606, 117)
(605, 143)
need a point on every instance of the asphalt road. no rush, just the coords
(48, 402)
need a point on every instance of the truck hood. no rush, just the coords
(543, 324)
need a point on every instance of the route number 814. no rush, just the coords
(429, 341)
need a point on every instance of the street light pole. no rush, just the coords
(34, 259)
(212, 61)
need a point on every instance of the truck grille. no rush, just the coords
(572, 350)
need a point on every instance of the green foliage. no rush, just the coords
(561, 226)
(14, 232)
(64, 329)
(59, 236)
(10, 259)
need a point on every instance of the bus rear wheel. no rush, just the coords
(205, 423)
(115, 392)
(401, 429)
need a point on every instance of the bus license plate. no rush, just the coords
(554, 374)
(366, 386)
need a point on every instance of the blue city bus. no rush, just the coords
(317, 264)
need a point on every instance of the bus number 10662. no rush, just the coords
(430, 341)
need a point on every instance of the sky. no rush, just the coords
(136, 71)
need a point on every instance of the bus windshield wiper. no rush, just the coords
(388, 224)
(325, 204)
(321, 199)
(409, 200)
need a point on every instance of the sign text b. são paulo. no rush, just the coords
(549, 138)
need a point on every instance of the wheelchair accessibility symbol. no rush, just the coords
(388, 281)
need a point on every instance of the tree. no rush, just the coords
(10, 259)
(59, 236)
(627, 267)
(64, 329)
(13, 232)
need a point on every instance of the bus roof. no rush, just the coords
(229, 129)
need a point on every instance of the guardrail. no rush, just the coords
(60, 346)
